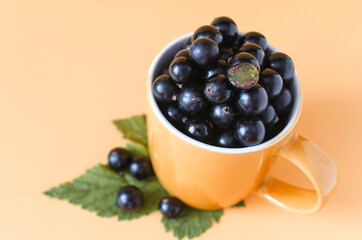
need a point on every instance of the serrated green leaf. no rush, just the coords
(191, 222)
(96, 191)
(240, 204)
(137, 149)
(134, 129)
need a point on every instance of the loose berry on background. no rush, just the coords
(249, 131)
(228, 29)
(181, 70)
(252, 101)
(218, 89)
(129, 198)
(254, 37)
(283, 64)
(207, 31)
(164, 89)
(140, 167)
(118, 158)
(204, 52)
(271, 81)
(170, 207)
(254, 50)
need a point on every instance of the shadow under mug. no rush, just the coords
(210, 177)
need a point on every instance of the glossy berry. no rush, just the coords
(269, 116)
(254, 50)
(227, 139)
(118, 159)
(198, 128)
(183, 53)
(181, 70)
(254, 37)
(174, 114)
(252, 101)
(204, 52)
(187, 43)
(164, 89)
(223, 115)
(140, 167)
(271, 81)
(165, 72)
(244, 70)
(228, 29)
(268, 51)
(191, 99)
(170, 207)
(226, 53)
(208, 31)
(129, 198)
(218, 89)
(220, 68)
(249, 131)
(283, 102)
(283, 64)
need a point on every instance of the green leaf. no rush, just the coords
(97, 189)
(134, 129)
(137, 149)
(191, 222)
(240, 204)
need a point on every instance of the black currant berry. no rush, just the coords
(220, 68)
(283, 102)
(129, 198)
(118, 159)
(227, 139)
(170, 207)
(269, 116)
(252, 101)
(191, 99)
(140, 167)
(244, 70)
(223, 116)
(255, 50)
(207, 31)
(164, 89)
(198, 128)
(174, 114)
(283, 64)
(271, 81)
(226, 53)
(249, 131)
(254, 37)
(228, 29)
(218, 89)
(187, 43)
(181, 70)
(183, 53)
(204, 52)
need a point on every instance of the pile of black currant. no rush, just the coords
(130, 198)
(226, 89)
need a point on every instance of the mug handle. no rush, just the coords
(315, 164)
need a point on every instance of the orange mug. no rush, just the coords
(210, 177)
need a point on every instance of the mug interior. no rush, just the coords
(162, 61)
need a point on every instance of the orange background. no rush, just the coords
(67, 68)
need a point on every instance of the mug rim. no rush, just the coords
(296, 111)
